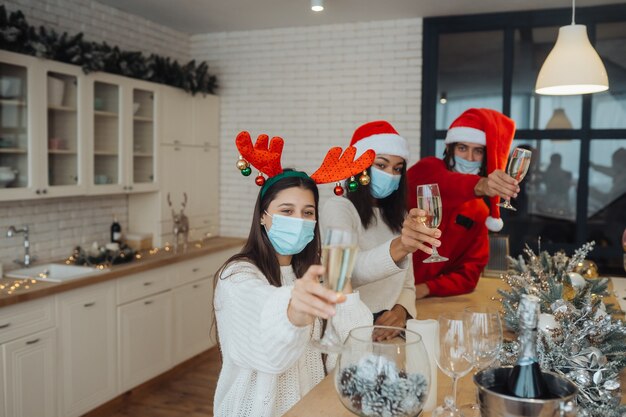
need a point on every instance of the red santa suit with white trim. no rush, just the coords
(466, 218)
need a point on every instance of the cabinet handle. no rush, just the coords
(38, 192)
(45, 191)
(147, 302)
(4, 326)
(176, 148)
(195, 270)
(130, 187)
(145, 284)
(176, 142)
(196, 285)
(32, 342)
(90, 304)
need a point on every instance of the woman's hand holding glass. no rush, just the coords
(309, 299)
(415, 236)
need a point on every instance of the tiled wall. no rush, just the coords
(313, 86)
(58, 225)
(103, 23)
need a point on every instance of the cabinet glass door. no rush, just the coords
(106, 133)
(14, 170)
(143, 137)
(62, 129)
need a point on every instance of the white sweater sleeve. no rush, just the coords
(252, 321)
(371, 265)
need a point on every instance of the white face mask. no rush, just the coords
(464, 166)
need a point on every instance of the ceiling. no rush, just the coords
(207, 16)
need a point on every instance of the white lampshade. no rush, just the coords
(573, 66)
(559, 120)
(317, 5)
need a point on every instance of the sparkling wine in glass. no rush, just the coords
(429, 200)
(517, 168)
(339, 249)
(452, 353)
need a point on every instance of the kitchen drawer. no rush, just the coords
(26, 318)
(144, 284)
(203, 267)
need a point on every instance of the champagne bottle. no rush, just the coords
(526, 380)
(116, 231)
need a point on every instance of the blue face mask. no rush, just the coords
(466, 167)
(383, 184)
(290, 235)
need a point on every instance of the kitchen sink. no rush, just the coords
(52, 272)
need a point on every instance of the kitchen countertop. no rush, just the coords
(148, 261)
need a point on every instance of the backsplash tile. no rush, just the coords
(58, 225)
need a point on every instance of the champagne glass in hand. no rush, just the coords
(517, 168)
(429, 200)
(339, 248)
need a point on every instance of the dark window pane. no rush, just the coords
(609, 108)
(534, 111)
(468, 76)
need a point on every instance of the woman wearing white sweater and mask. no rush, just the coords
(387, 234)
(269, 301)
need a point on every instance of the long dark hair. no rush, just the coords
(392, 207)
(258, 248)
(448, 158)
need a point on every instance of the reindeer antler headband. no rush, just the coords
(265, 155)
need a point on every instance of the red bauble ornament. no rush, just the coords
(260, 180)
(338, 190)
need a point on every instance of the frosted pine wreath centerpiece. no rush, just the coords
(580, 337)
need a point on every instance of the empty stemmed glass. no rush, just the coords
(339, 248)
(452, 353)
(484, 330)
(517, 168)
(429, 200)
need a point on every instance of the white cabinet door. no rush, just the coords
(176, 116)
(30, 369)
(87, 348)
(2, 399)
(206, 121)
(145, 335)
(203, 181)
(194, 330)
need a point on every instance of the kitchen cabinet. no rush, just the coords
(2, 398)
(194, 330)
(66, 133)
(30, 370)
(145, 333)
(87, 348)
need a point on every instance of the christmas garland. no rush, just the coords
(578, 338)
(18, 36)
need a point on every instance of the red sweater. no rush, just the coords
(464, 236)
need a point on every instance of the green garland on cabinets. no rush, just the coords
(18, 36)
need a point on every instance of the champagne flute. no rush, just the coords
(517, 168)
(452, 353)
(339, 248)
(429, 200)
(484, 329)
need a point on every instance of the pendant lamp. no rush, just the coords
(573, 66)
(317, 5)
(559, 120)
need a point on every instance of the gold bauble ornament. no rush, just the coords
(587, 269)
(364, 179)
(568, 292)
(242, 164)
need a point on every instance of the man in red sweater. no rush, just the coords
(472, 169)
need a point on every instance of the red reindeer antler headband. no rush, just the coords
(265, 156)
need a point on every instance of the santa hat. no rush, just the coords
(493, 130)
(382, 138)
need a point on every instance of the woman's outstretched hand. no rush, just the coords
(310, 299)
(415, 236)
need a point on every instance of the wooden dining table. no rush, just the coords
(323, 401)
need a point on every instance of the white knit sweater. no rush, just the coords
(268, 364)
(380, 281)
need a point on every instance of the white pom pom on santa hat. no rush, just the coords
(493, 224)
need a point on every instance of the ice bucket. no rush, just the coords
(493, 403)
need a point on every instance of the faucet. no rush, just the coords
(28, 260)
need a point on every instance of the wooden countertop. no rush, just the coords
(323, 401)
(148, 261)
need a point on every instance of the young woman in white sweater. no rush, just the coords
(383, 273)
(268, 305)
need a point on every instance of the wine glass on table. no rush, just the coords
(517, 168)
(339, 248)
(484, 329)
(429, 200)
(452, 354)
